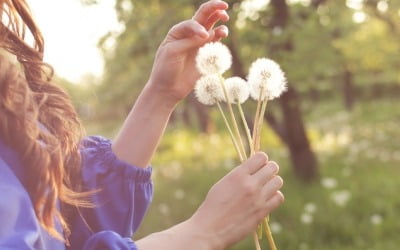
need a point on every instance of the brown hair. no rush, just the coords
(28, 100)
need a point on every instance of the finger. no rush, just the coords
(254, 163)
(219, 33)
(274, 202)
(185, 36)
(215, 17)
(264, 174)
(187, 29)
(272, 186)
(207, 9)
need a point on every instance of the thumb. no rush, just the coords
(187, 35)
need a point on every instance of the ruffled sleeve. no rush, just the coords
(125, 192)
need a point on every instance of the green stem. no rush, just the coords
(260, 231)
(235, 144)
(246, 128)
(260, 123)
(256, 242)
(268, 233)
(255, 125)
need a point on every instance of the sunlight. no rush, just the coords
(382, 6)
(359, 17)
(72, 31)
(354, 4)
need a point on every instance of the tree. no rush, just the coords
(318, 44)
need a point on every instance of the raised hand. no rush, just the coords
(174, 71)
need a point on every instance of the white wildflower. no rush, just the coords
(179, 194)
(275, 227)
(376, 219)
(341, 198)
(237, 89)
(164, 209)
(213, 58)
(266, 79)
(208, 90)
(306, 218)
(329, 182)
(310, 208)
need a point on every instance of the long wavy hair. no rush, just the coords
(37, 119)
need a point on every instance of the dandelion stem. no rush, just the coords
(260, 123)
(235, 144)
(268, 233)
(246, 128)
(235, 126)
(255, 125)
(260, 231)
(256, 242)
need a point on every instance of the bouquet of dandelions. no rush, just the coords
(266, 81)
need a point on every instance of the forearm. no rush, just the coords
(183, 236)
(141, 132)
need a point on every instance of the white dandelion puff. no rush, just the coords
(306, 218)
(276, 227)
(376, 219)
(329, 182)
(179, 194)
(164, 209)
(341, 198)
(310, 208)
(213, 58)
(208, 90)
(266, 79)
(237, 89)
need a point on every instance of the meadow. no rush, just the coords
(354, 203)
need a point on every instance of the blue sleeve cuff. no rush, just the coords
(100, 159)
(109, 240)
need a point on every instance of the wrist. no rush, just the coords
(163, 99)
(203, 237)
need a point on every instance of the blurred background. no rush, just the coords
(335, 132)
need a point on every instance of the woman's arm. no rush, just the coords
(172, 78)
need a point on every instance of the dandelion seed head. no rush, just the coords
(376, 219)
(164, 209)
(306, 218)
(238, 89)
(266, 79)
(329, 182)
(179, 194)
(341, 198)
(208, 90)
(310, 208)
(213, 58)
(275, 227)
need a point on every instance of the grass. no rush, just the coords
(358, 153)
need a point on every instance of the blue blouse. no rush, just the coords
(124, 196)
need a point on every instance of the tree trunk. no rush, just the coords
(294, 134)
(301, 155)
(348, 90)
(202, 115)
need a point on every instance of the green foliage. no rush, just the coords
(315, 48)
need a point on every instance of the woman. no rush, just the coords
(59, 191)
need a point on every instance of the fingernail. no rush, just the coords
(274, 167)
(226, 31)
